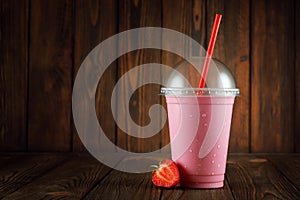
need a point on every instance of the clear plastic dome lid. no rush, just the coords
(184, 79)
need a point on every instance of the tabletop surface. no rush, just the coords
(80, 176)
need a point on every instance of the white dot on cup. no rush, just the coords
(219, 165)
(205, 124)
(219, 146)
(212, 161)
(212, 173)
(191, 150)
(215, 155)
(203, 115)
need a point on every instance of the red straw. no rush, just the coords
(210, 50)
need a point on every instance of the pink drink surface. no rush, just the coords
(199, 134)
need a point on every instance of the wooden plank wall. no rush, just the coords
(272, 77)
(13, 75)
(92, 16)
(43, 43)
(50, 75)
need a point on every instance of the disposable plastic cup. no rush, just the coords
(199, 127)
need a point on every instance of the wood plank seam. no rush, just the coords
(28, 73)
(296, 74)
(96, 183)
(72, 132)
(250, 74)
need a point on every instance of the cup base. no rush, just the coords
(196, 181)
(202, 185)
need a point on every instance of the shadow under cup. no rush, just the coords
(199, 128)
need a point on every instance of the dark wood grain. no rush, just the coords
(121, 185)
(95, 21)
(254, 177)
(297, 79)
(233, 49)
(199, 25)
(187, 17)
(240, 181)
(13, 74)
(178, 16)
(21, 170)
(272, 76)
(44, 42)
(133, 14)
(50, 72)
(187, 193)
(79, 176)
(71, 180)
(289, 165)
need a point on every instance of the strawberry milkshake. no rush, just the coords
(202, 159)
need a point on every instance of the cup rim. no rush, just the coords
(187, 91)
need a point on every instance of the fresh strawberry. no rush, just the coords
(166, 174)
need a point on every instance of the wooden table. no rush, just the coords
(79, 176)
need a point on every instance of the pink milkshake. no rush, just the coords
(199, 123)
